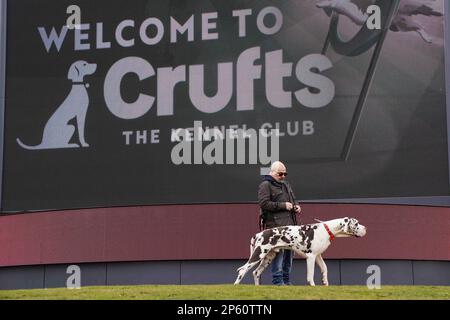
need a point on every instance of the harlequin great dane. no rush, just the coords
(309, 241)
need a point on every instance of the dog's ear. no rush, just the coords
(343, 223)
(74, 72)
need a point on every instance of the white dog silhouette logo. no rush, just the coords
(58, 132)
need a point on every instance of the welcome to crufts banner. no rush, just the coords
(109, 112)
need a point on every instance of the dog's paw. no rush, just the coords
(85, 144)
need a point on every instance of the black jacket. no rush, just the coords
(272, 196)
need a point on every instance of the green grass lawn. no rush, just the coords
(231, 292)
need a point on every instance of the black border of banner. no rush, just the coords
(3, 17)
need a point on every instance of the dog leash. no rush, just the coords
(292, 200)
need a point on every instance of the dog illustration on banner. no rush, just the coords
(58, 132)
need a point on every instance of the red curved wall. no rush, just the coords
(222, 231)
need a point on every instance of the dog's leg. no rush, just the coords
(262, 266)
(258, 271)
(244, 269)
(81, 120)
(64, 137)
(323, 268)
(310, 261)
(255, 257)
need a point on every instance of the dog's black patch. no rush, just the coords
(255, 255)
(267, 234)
(282, 229)
(274, 239)
(309, 233)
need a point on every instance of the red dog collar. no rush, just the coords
(329, 232)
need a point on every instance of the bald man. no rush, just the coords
(278, 208)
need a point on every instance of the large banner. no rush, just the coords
(108, 102)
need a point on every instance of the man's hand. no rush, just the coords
(288, 206)
(296, 208)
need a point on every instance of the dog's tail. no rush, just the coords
(252, 248)
(23, 145)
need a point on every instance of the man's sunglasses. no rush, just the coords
(280, 174)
